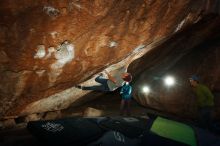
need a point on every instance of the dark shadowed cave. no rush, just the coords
(49, 47)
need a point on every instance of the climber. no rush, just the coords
(111, 83)
(205, 102)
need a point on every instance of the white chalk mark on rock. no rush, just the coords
(51, 11)
(40, 72)
(41, 52)
(113, 44)
(54, 34)
(64, 54)
(50, 51)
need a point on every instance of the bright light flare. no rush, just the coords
(169, 81)
(146, 89)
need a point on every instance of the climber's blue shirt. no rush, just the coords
(126, 90)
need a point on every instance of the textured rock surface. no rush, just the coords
(196, 52)
(46, 47)
(92, 112)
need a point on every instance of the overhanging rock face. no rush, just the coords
(49, 46)
(194, 50)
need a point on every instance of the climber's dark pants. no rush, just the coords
(102, 87)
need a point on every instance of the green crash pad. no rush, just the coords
(174, 130)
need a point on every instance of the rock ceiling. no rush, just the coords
(47, 47)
